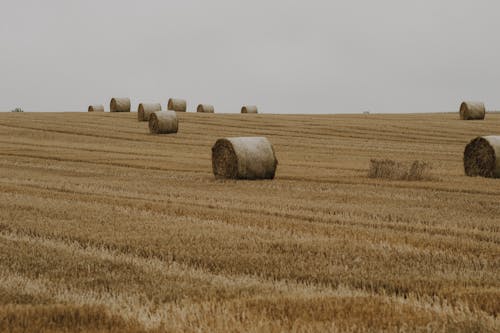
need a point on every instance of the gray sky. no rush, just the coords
(286, 56)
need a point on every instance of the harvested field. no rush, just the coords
(106, 228)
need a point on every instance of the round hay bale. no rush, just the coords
(119, 105)
(482, 157)
(244, 158)
(96, 108)
(472, 111)
(205, 108)
(146, 109)
(249, 109)
(175, 104)
(163, 122)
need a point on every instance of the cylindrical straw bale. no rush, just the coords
(146, 109)
(175, 104)
(205, 108)
(482, 157)
(119, 105)
(163, 122)
(249, 109)
(244, 158)
(96, 108)
(472, 111)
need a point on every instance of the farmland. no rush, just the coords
(107, 228)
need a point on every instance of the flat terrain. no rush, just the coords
(106, 228)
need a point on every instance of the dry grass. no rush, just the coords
(87, 243)
(394, 170)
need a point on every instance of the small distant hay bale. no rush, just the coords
(482, 157)
(394, 170)
(472, 111)
(205, 108)
(175, 104)
(163, 122)
(119, 105)
(146, 109)
(244, 158)
(96, 108)
(249, 109)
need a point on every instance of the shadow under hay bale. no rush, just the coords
(175, 104)
(119, 105)
(394, 170)
(205, 108)
(482, 157)
(146, 109)
(472, 111)
(96, 108)
(249, 109)
(244, 158)
(163, 122)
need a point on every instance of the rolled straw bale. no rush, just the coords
(146, 109)
(472, 111)
(175, 104)
(163, 122)
(119, 105)
(249, 109)
(96, 108)
(205, 108)
(482, 157)
(244, 158)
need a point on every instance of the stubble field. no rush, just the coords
(106, 228)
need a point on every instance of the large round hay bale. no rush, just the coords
(175, 104)
(146, 109)
(119, 105)
(244, 158)
(249, 109)
(205, 108)
(472, 111)
(482, 157)
(96, 108)
(163, 122)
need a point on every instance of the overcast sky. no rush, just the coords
(286, 56)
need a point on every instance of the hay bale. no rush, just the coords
(96, 108)
(119, 105)
(472, 111)
(146, 109)
(244, 158)
(249, 109)
(482, 157)
(175, 104)
(396, 170)
(163, 122)
(205, 108)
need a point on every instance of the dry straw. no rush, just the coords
(119, 105)
(205, 108)
(482, 157)
(244, 158)
(163, 122)
(389, 169)
(96, 108)
(175, 104)
(472, 111)
(146, 109)
(249, 109)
